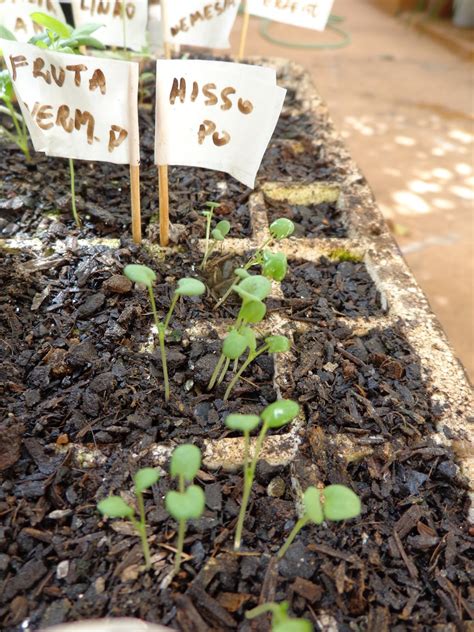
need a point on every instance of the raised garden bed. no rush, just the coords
(384, 403)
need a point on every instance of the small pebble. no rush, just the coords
(276, 487)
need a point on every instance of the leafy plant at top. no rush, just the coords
(281, 621)
(274, 265)
(116, 507)
(218, 234)
(275, 415)
(188, 502)
(186, 287)
(334, 502)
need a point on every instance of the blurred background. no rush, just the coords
(399, 85)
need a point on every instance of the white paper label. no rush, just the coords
(15, 16)
(216, 115)
(310, 14)
(76, 106)
(206, 23)
(125, 23)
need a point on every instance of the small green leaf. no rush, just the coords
(243, 423)
(6, 87)
(223, 227)
(190, 287)
(115, 507)
(242, 273)
(144, 478)
(234, 345)
(312, 505)
(274, 265)
(213, 205)
(277, 344)
(340, 503)
(187, 505)
(253, 288)
(86, 29)
(249, 336)
(217, 235)
(57, 27)
(252, 311)
(140, 274)
(280, 413)
(281, 228)
(185, 461)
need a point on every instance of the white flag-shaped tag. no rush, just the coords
(205, 23)
(125, 24)
(15, 16)
(216, 115)
(76, 106)
(312, 14)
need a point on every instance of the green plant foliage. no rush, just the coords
(252, 312)
(221, 230)
(281, 621)
(241, 273)
(185, 462)
(280, 413)
(145, 478)
(140, 274)
(281, 228)
(234, 345)
(340, 503)
(62, 38)
(190, 287)
(312, 505)
(274, 265)
(243, 423)
(277, 344)
(115, 507)
(187, 505)
(253, 288)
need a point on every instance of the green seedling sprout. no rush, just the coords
(116, 507)
(186, 287)
(281, 621)
(274, 265)
(252, 290)
(63, 38)
(272, 344)
(334, 502)
(187, 503)
(275, 415)
(218, 234)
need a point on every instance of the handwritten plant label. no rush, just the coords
(216, 115)
(76, 106)
(15, 16)
(310, 14)
(125, 22)
(205, 23)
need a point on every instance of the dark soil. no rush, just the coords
(81, 405)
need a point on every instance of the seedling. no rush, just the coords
(186, 287)
(334, 502)
(274, 265)
(281, 621)
(116, 507)
(275, 415)
(252, 290)
(218, 234)
(187, 503)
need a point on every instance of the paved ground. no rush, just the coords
(404, 105)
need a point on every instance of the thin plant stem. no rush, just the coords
(215, 373)
(249, 473)
(73, 193)
(171, 310)
(153, 308)
(22, 138)
(181, 483)
(250, 358)
(141, 530)
(164, 362)
(209, 215)
(179, 544)
(302, 522)
(224, 371)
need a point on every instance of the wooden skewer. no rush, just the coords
(245, 28)
(136, 206)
